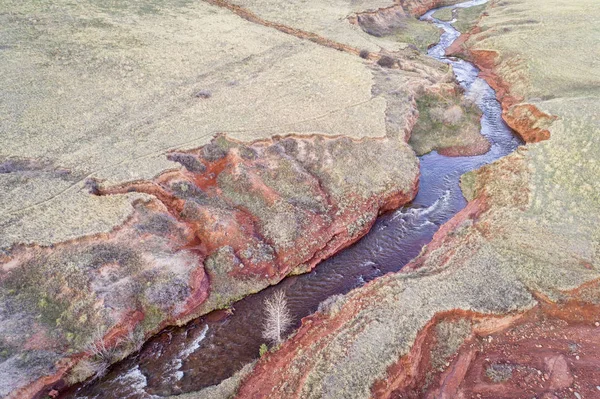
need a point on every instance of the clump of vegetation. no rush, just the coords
(188, 191)
(446, 122)
(96, 365)
(247, 152)
(467, 18)
(386, 62)
(189, 161)
(203, 94)
(332, 305)
(212, 152)
(100, 357)
(263, 350)
(92, 186)
(450, 335)
(419, 33)
(166, 292)
(444, 14)
(498, 372)
(277, 318)
(157, 223)
(364, 54)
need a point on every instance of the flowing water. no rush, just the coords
(213, 347)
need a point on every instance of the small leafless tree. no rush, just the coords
(277, 318)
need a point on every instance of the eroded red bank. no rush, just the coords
(525, 119)
(550, 351)
(234, 219)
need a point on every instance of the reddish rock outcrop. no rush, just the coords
(234, 219)
(268, 199)
(525, 119)
(529, 122)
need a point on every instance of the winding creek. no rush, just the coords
(213, 347)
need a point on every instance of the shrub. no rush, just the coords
(386, 62)
(213, 152)
(92, 186)
(263, 349)
(96, 366)
(188, 161)
(203, 94)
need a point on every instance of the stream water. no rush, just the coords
(213, 347)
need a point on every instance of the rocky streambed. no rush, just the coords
(212, 348)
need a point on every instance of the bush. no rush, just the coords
(188, 161)
(263, 349)
(386, 62)
(95, 366)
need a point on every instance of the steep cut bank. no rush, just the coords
(521, 258)
(524, 118)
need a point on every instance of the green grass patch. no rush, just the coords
(443, 14)
(444, 122)
(421, 34)
(467, 18)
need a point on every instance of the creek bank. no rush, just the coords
(526, 119)
(233, 220)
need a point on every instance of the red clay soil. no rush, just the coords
(551, 351)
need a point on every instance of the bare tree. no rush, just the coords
(277, 318)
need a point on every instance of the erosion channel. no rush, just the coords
(213, 347)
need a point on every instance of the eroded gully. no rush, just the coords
(215, 346)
